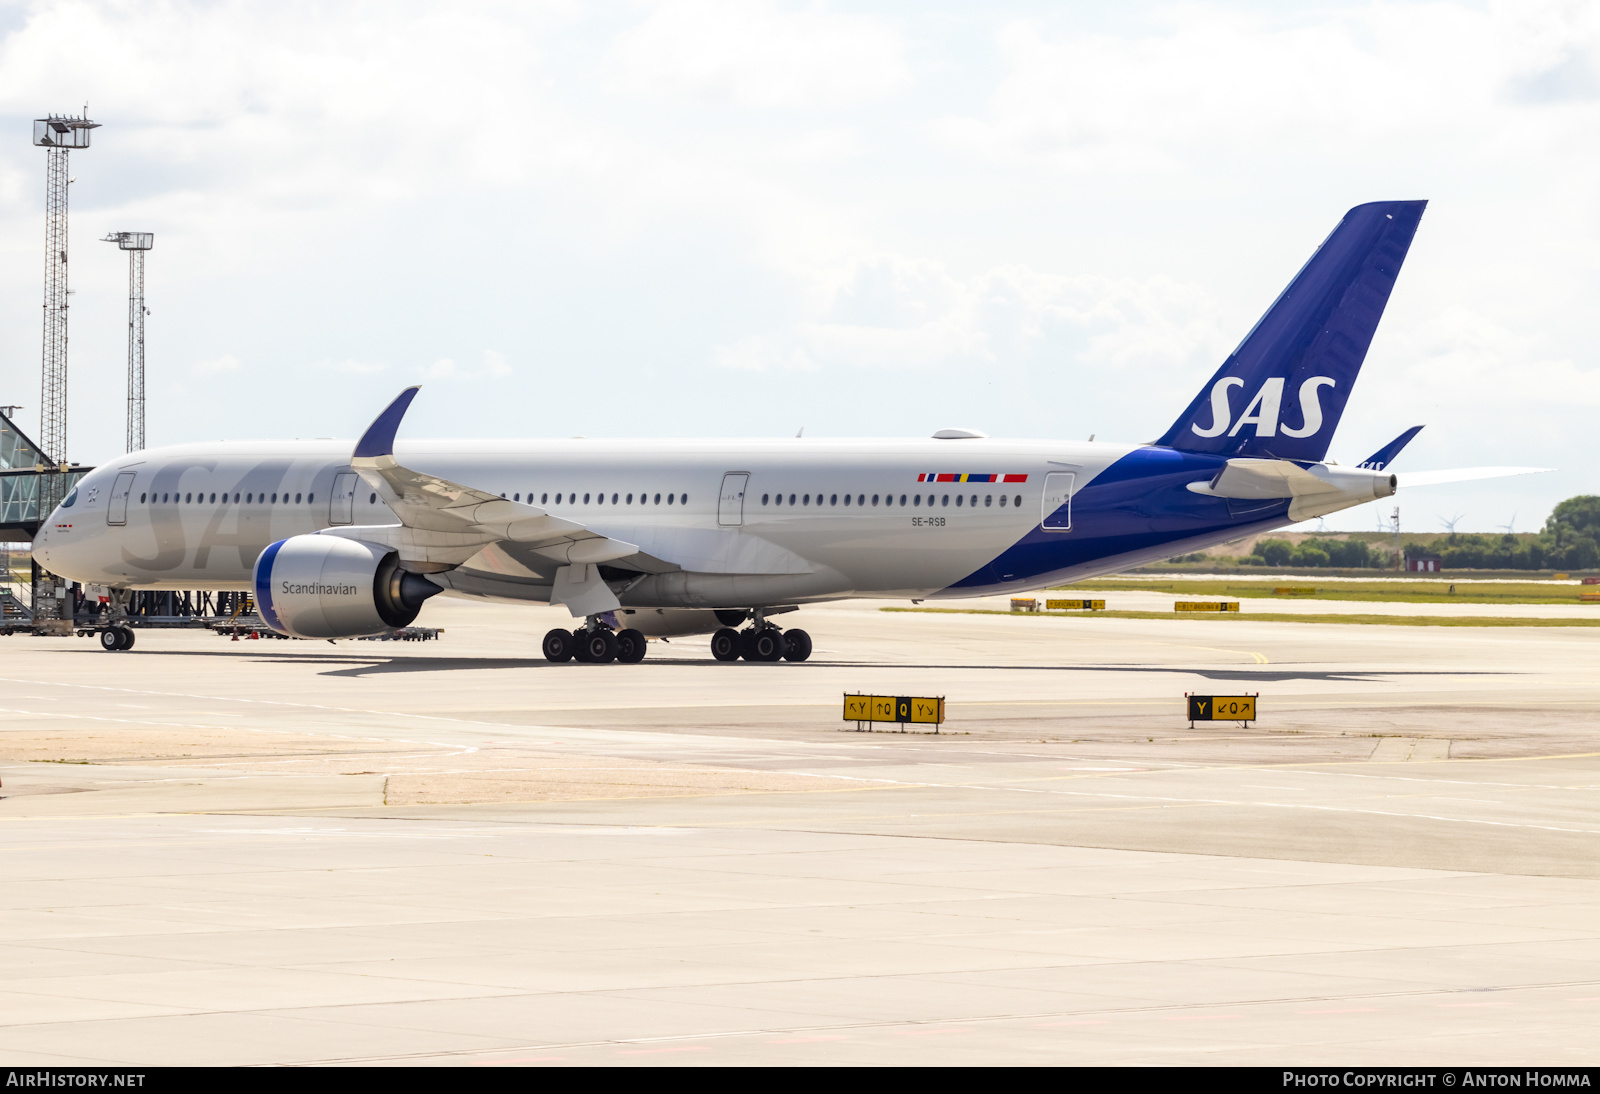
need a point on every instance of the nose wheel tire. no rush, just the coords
(796, 645)
(763, 644)
(726, 644)
(113, 639)
(558, 646)
(630, 646)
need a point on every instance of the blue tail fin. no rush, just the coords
(1282, 392)
(1384, 456)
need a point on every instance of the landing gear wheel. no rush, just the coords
(111, 639)
(763, 644)
(725, 644)
(599, 646)
(558, 646)
(630, 646)
(796, 645)
(127, 637)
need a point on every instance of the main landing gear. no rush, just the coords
(761, 642)
(595, 643)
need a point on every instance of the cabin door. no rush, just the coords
(730, 503)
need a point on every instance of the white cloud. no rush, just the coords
(495, 366)
(892, 312)
(1214, 79)
(755, 53)
(226, 363)
(358, 368)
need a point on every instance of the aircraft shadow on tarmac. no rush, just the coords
(357, 665)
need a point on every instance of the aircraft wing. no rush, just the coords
(443, 523)
(1464, 474)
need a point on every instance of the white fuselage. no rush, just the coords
(818, 519)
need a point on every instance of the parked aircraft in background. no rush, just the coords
(651, 537)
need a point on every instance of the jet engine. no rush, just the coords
(328, 587)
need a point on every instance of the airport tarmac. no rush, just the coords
(457, 853)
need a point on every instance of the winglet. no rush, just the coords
(378, 440)
(1384, 456)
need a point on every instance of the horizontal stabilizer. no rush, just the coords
(1312, 490)
(1465, 474)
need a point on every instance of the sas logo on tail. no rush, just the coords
(1264, 408)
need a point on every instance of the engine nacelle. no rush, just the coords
(329, 587)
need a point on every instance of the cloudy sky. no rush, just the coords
(700, 218)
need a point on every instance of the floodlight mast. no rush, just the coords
(57, 134)
(136, 244)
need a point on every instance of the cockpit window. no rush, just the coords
(68, 501)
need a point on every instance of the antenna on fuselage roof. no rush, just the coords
(800, 432)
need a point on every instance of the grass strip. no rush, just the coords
(1396, 592)
(1281, 617)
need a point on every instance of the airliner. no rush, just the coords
(652, 538)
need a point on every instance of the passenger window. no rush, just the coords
(902, 499)
(188, 498)
(807, 500)
(958, 501)
(372, 499)
(310, 499)
(834, 500)
(847, 499)
(586, 499)
(669, 499)
(297, 499)
(917, 500)
(946, 500)
(658, 499)
(988, 500)
(875, 500)
(1002, 501)
(141, 499)
(763, 499)
(1018, 500)
(630, 499)
(683, 499)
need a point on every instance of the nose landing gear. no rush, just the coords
(113, 639)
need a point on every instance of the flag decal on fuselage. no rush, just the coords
(971, 478)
